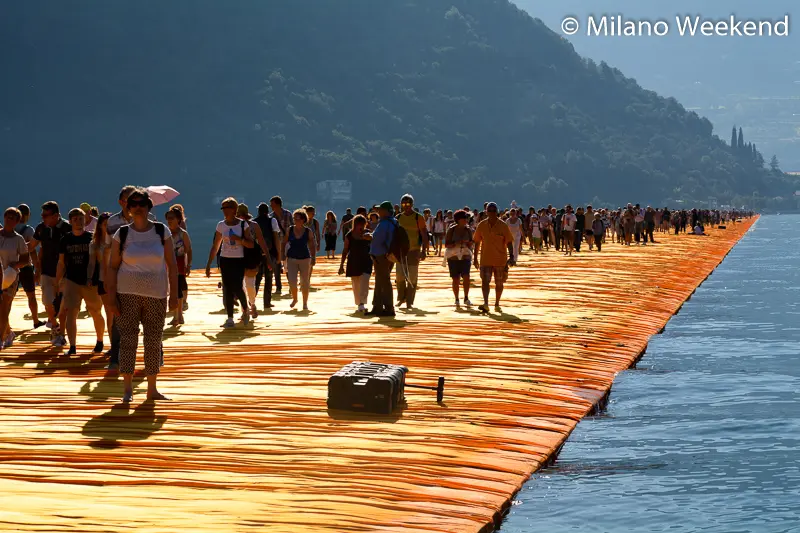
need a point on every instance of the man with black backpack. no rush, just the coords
(408, 269)
(385, 237)
(271, 232)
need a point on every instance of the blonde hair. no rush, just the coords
(230, 200)
(301, 212)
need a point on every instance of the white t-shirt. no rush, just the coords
(536, 232)
(232, 250)
(11, 248)
(143, 270)
(569, 221)
(91, 226)
(516, 228)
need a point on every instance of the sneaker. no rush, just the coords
(458, 303)
(72, 351)
(228, 323)
(9, 340)
(98, 348)
(245, 318)
(483, 308)
(39, 324)
(48, 325)
(498, 308)
(361, 308)
(409, 306)
(467, 302)
(58, 340)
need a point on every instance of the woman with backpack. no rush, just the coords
(99, 257)
(253, 257)
(142, 283)
(231, 238)
(301, 250)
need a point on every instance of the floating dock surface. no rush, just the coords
(248, 442)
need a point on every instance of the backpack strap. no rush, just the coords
(123, 236)
(160, 230)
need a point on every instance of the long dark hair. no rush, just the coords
(96, 237)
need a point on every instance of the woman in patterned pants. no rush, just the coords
(143, 274)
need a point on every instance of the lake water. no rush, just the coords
(705, 434)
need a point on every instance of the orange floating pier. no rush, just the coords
(248, 442)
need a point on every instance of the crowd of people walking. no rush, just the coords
(136, 268)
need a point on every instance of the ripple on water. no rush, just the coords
(705, 434)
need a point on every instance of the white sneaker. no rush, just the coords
(59, 341)
(228, 323)
(49, 325)
(467, 302)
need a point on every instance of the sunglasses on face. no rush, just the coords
(228, 207)
(137, 203)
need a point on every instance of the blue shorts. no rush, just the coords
(459, 267)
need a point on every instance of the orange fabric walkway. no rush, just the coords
(247, 441)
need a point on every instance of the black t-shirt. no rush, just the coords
(51, 245)
(580, 225)
(347, 218)
(76, 256)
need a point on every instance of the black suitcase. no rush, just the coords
(365, 386)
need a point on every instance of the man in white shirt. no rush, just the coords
(568, 222)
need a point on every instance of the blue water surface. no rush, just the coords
(705, 434)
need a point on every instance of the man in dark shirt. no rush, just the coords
(649, 224)
(347, 218)
(48, 234)
(580, 216)
(73, 277)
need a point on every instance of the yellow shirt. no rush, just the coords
(410, 224)
(494, 239)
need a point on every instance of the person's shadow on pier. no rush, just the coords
(120, 424)
(110, 386)
(237, 334)
(173, 332)
(418, 312)
(499, 317)
(51, 359)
